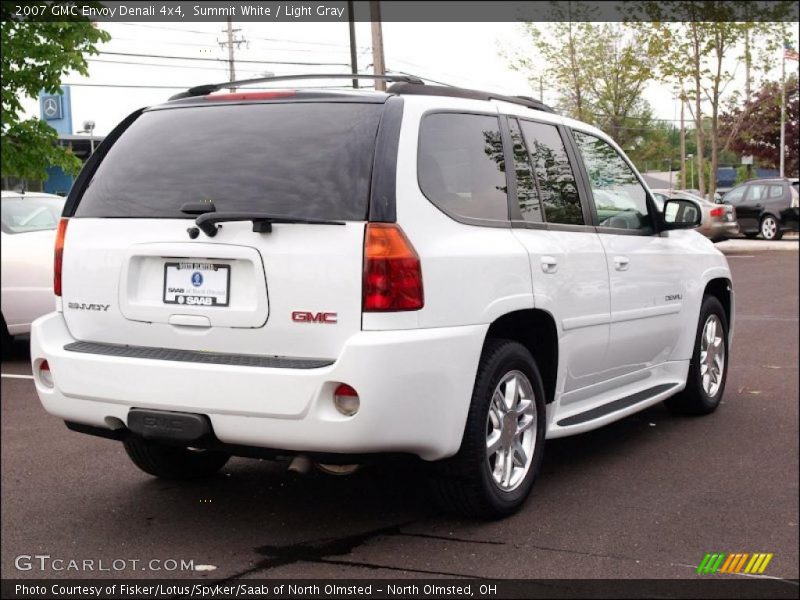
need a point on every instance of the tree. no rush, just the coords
(755, 128)
(691, 51)
(35, 56)
(599, 69)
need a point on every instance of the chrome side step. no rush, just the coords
(616, 405)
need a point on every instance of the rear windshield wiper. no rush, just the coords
(262, 222)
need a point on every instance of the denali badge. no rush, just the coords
(671, 297)
(302, 316)
(84, 306)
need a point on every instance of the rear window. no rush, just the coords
(31, 213)
(304, 160)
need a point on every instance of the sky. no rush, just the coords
(464, 54)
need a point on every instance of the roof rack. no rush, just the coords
(411, 87)
(204, 90)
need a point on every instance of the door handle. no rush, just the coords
(621, 263)
(549, 264)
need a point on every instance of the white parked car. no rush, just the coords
(27, 239)
(339, 274)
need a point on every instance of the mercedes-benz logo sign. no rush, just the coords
(50, 107)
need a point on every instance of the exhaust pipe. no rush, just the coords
(301, 464)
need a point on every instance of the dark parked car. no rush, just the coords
(765, 206)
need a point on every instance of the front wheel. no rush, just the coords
(709, 366)
(503, 444)
(770, 230)
(173, 462)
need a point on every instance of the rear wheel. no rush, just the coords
(770, 229)
(709, 367)
(502, 449)
(173, 462)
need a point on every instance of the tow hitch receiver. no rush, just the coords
(168, 425)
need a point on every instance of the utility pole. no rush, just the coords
(351, 18)
(683, 145)
(231, 41)
(783, 110)
(378, 63)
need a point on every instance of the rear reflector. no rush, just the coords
(45, 376)
(273, 95)
(59, 255)
(717, 212)
(392, 270)
(345, 399)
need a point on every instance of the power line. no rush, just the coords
(256, 62)
(265, 39)
(183, 87)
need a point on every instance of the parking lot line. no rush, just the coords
(15, 376)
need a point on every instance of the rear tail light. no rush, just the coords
(59, 255)
(795, 200)
(392, 270)
(272, 95)
(717, 212)
(345, 399)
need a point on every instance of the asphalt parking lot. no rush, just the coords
(646, 497)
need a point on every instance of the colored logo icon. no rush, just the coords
(197, 279)
(737, 562)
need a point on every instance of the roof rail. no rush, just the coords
(203, 90)
(411, 87)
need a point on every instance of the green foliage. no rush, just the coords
(599, 69)
(35, 56)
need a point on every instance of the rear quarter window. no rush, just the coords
(304, 160)
(460, 165)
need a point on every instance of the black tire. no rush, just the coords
(6, 339)
(694, 400)
(464, 483)
(173, 462)
(778, 233)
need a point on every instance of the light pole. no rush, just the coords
(691, 171)
(88, 127)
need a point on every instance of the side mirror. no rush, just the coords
(681, 214)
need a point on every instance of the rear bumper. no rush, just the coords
(414, 387)
(720, 230)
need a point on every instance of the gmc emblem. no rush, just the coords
(303, 316)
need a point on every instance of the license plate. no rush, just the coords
(197, 283)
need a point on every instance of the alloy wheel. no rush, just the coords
(769, 228)
(511, 430)
(712, 355)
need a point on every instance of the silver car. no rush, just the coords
(719, 220)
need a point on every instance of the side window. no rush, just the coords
(775, 191)
(756, 192)
(735, 195)
(461, 167)
(528, 193)
(552, 173)
(660, 199)
(620, 200)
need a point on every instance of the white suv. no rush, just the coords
(433, 271)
